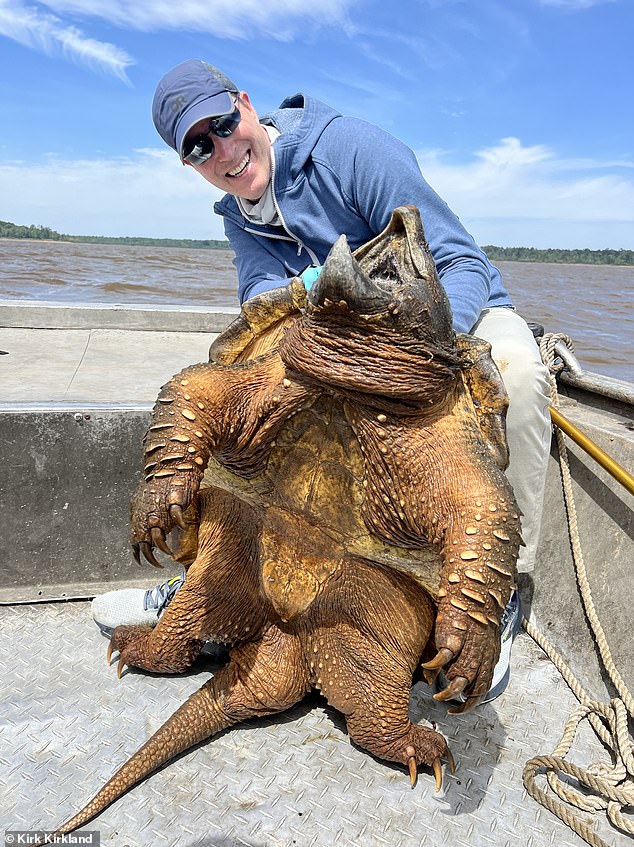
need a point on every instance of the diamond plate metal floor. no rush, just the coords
(295, 779)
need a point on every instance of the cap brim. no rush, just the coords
(210, 107)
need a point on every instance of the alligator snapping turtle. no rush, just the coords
(353, 518)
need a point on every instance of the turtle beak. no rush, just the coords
(342, 285)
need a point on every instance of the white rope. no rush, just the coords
(608, 785)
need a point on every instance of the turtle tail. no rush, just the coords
(197, 719)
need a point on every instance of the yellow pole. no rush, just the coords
(618, 472)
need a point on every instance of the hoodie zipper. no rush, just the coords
(300, 245)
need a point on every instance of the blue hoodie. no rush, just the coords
(334, 175)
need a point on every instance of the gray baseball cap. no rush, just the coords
(189, 92)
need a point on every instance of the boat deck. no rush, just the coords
(292, 779)
(61, 354)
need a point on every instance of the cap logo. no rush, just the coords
(177, 103)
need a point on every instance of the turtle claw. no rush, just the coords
(176, 514)
(468, 704)
(412, 765)
(437, 769)
(413, 770)
(131, 643)
(429, 677)
(442, 657)
(146, 549)
(120, 666)
(158, 539)
(454, 689)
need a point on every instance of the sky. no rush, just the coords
(519, 111)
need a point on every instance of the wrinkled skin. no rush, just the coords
(353, 519)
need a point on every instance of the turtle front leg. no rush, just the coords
(479, 554)
(187, 424)
(432, 479)
(229, 412)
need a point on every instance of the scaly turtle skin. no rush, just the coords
(353, 517)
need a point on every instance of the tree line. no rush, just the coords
(496, 254)
(579, 257)
(11, 230)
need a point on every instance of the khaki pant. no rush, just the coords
(528, 427)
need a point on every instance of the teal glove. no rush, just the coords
(310, 276)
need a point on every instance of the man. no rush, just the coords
(295, 180)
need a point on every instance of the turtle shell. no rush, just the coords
(316, 488)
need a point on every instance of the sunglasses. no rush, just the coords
(201, 147)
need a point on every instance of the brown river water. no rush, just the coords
(593, 304)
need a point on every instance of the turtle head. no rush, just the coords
(378, 322)
(390, 282)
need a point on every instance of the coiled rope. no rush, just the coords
(607, 785)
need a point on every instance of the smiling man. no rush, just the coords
(296, 179)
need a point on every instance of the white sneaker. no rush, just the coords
(510, 625)
(134, 606)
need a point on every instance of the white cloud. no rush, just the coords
(34, 26)
(527, 195)
(510, 154)
(148, 193)
(42, 31)
(507, 194)
(224, 18)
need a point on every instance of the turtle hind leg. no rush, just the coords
(364, 661)
(374, 697)
(262, 678)
(397, 739)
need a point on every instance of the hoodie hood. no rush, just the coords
(301, 121)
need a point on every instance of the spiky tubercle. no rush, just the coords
(178, 440)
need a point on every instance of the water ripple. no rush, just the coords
(590, 303)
